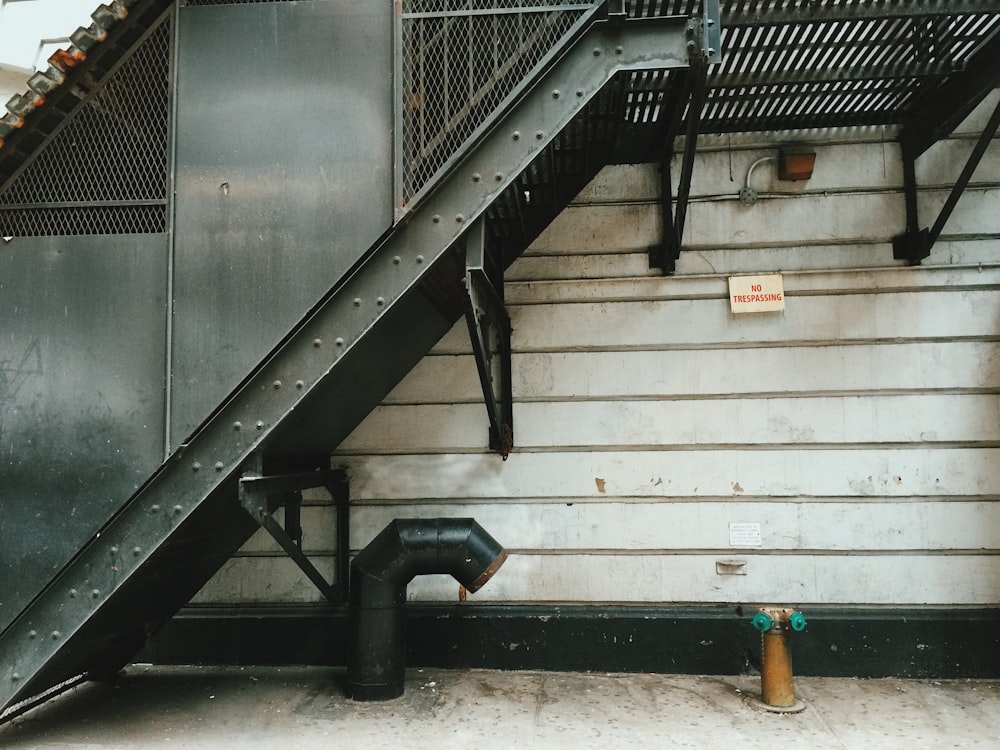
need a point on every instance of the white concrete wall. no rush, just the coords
(860, 428)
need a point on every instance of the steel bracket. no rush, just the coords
(261, 495)
(915, 244)
(705, 34)
(489, 329)
(694, 91)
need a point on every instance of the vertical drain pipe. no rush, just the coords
(406, 548)
(777, 692)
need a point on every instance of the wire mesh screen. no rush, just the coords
(461, 59)
(105, 172)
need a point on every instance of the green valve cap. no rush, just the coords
(762, 621)
(798, 621)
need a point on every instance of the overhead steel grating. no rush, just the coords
(800, 64)
(461, 59)
(105, 171)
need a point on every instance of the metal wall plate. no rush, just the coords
(81, 395)
(284, 178)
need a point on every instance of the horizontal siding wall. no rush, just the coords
(860, 428)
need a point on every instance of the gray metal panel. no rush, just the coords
(82, 346)
(284, 177)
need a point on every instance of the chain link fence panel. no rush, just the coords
(106, 171)
(460, 60)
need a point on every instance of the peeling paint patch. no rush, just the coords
(600, 484)
(737, 487)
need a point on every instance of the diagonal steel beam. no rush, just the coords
(54, 637)
(985, 139)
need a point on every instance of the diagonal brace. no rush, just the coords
(693, 95)
(963, 179)
(915, 244)
(489, 329)
(260, 496)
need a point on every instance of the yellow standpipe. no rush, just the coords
(777, 688)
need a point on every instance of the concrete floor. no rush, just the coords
(292, 707)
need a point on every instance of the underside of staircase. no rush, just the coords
(520, 169)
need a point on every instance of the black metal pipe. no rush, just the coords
(406, 548)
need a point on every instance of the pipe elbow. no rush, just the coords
(408, 547)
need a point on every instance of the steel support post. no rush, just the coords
(704, 47)
(489, 329)
(913, 245)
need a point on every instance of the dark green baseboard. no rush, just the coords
(838, 641)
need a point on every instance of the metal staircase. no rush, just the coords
(543, 142)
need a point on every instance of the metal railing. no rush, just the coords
(105, 172)
(460, 61)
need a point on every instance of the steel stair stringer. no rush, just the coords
(328, 373)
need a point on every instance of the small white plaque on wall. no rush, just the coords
(744, 534)
(752, 294)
